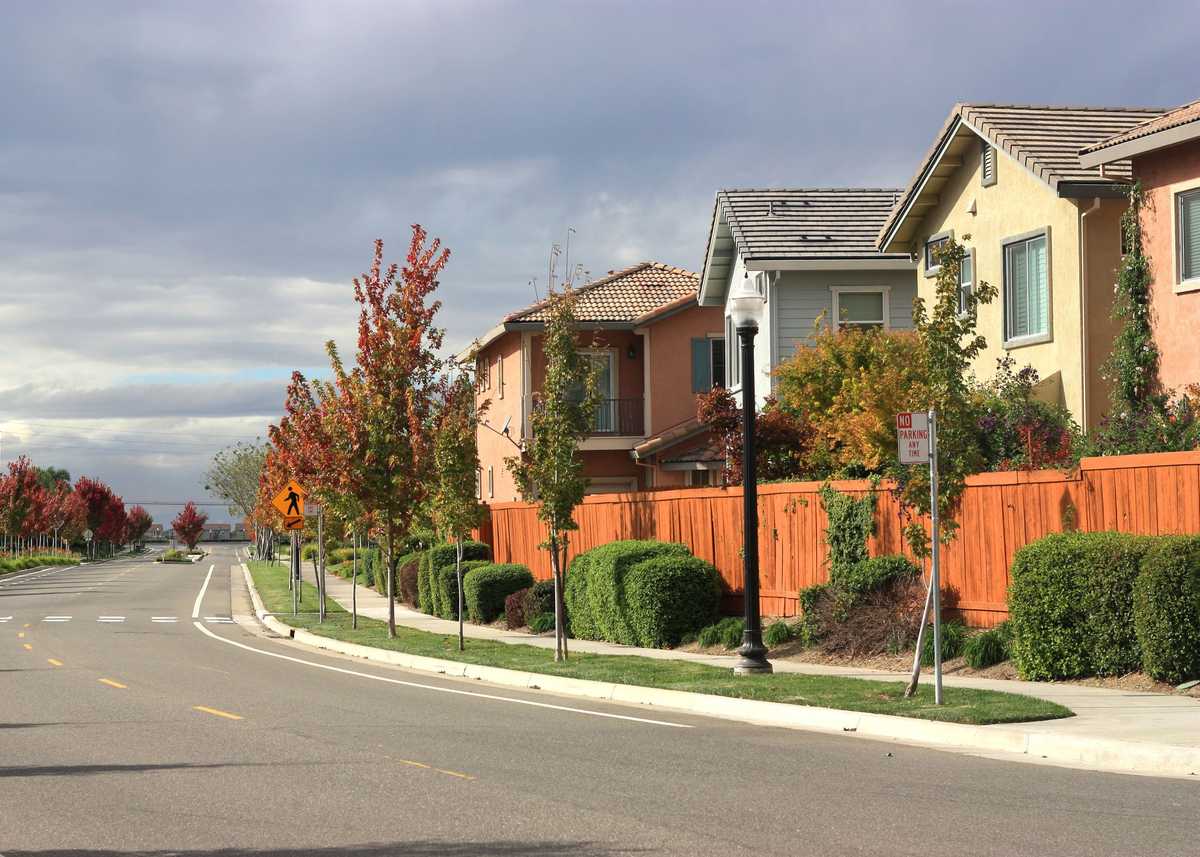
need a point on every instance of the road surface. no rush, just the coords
(136, 718)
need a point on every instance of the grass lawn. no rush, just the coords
(962, 705)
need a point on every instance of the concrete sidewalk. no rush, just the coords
(1101, 713)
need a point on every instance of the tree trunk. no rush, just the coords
(458, 574)
(562, 594)
(916, 670)
(559, 654)
(391, 596)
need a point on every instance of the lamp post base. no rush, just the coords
(753, 660)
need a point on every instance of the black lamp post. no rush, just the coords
(745, 308)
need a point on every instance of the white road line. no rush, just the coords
(56, 619)
(20, 578)
(225, 619)
(434, 687)
(110, 619)
(200, 595)
(164, 619)
(5, 618)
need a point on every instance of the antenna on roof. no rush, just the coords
(567, 265)
(533, 283)
(554, 251)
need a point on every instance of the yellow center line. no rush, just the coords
(20, 635)
(217, 712)
(28, 625)
(54, 662)
(111, 683)
(454, 774)
(28, 647)
(411, 762)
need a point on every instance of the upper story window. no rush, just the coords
(500, 377)
(966, 280)
(1026, 289)
(483, 373)
(987, 163)
(861, 307)
(933, 249)
(708, 363)
(1187, 226)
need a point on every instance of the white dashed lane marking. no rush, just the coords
(111, 619)
(227, 620)
(5, 618)
(56, 619)
(164, 619)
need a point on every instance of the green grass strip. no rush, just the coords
(962, 705)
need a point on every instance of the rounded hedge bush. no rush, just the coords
(488, 586)
(1166, 609)
(514, 609)
(432, 562)
(1071, 605)
(539, 599)
(446, 593)
(669, 596)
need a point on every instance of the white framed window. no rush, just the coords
(491, 482)
(1027, 289)
(1187, 236)
(987, 163)
(862, 307)
(933, 247)
(478, 483)
(732, 355)
(500, 377)
(716, 361)
(966, 280)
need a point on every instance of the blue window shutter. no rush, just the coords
(701, 380)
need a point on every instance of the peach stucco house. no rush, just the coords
(1166, 159)
(657, 349)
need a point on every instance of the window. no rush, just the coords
(700, 478)
(1026, 289)
(708, 363)
(478, 483)
(732, 357)
(500, 377)
(933, 247)
(966, 280)
(987, 164)
(1187, 219)
(491, 482)
(860, 307)
(483, 372)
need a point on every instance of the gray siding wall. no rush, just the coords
(804, 296)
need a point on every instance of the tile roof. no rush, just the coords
(627, 296)
(1172, 119)
(1044, 139)
(805, 223)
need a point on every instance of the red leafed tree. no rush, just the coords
(105, 511)
(137, 522)
(189, 524)
(388, 404)
(22, 500)
(68, 512)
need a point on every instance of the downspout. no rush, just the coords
(1083, 316)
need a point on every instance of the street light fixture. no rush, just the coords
(745, 307)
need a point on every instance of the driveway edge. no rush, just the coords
(1068, 750)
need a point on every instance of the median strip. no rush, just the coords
(216, 712)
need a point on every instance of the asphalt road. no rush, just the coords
(142, 735)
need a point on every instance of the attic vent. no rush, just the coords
(987, 164)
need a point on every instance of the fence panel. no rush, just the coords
(999, 514)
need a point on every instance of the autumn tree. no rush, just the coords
(67, 513)
(456, 511)
(549, 470)
(137, 523)
(189, 525)
(234, 476)
(390, 399)
(22, 500)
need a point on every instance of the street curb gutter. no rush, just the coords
(1092, 753)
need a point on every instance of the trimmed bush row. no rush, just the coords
(640, 593)
(486, 589)
(1085, 604)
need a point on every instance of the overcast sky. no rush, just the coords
(186, 189)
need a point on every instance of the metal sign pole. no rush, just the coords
(321, 564)
(935, 567)
(293, 570)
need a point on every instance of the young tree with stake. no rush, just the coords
(549, 470)
(456, 511)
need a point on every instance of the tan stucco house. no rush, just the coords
(1165, 153)
(1044, 229)
(656, 349)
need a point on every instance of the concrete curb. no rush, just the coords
(1074, 751)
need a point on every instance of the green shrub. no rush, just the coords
(428, 573)
(540, 599)
(308, 551)
(514, 609)
(1166, 609)
(873, 574)
(669, 596)
(989, 648)
(341, 569)
(170, 555)
(488, 586)
(598, 599)
(1071, 605)
(575, 598)
(541, 623)
(447, 588)
(336, 556)
(954, 640)
(777, 634)
(726, 633)
(417, 541)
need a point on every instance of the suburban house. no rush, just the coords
(811, 254)
(656, 349)
(1165, 155)
(1044, 229)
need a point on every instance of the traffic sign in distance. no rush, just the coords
(296, 522)
(290, 500)
(912, 436)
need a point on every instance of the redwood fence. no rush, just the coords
(1000, 512)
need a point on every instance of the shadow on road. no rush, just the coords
(395, 849)
(88, 770)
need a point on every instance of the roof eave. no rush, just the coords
(1105, 154)
(887, 235)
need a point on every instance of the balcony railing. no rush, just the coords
(613, 417)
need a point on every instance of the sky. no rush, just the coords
(187, 189)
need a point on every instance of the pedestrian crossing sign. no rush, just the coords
(290, 500)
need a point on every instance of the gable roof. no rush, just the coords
(1044, 140)
(792, 225)
(1176, 126)
(634, 294)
